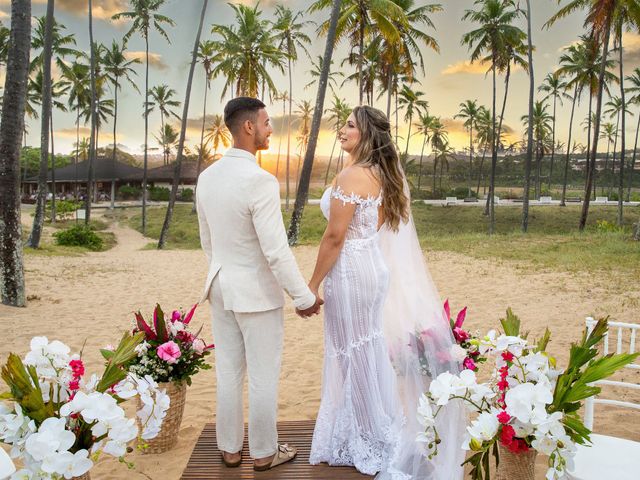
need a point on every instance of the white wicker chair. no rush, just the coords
(610, 457)
(6, 465)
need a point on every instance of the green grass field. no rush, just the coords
(553, 240)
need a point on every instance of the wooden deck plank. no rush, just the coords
(205, 462)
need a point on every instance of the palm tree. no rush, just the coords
(303, 187)
(439, 146)
(218, 134)
(284, 96)
(304, 112)
(614, 108)
(45, 119)
(93, 62)
(542, 128)
(316, 70)
(77, 76)
(484, 136)
(207, 55)
(161, 96)
(81, 149)
(424, 126)
(246, 52)
(634, 91)
(290, 37)
(494, 33)
(116, 67)
(554, 86)
(604, 17)
(412, 103)
(11, 129)
(144, 16)
(529, 158)
(357, 20)
(167, 138)
(339, 112)
(609, 133)
(469, 111)
(183, 131)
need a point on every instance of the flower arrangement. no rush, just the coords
(466, 349)
(169, 352)
(61, 421)
(528, 403)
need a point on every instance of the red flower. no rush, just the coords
(77, 367)
(74, 385)
(503, 385)
(509, 440)
(469, 364)
(507, 356)
(460, 335)
(184, 336)
(504, 417)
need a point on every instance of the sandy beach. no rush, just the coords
(91, 298)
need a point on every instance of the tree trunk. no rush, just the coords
(406, 151)
(470, 156)
(287, 187)
(484, 154)
(588, 163)
(53, 171)
(146, 136)
(606, 162)
(360, 59)
(38, 220)
(566, 163)
(424, 143)
(94, 121)
(183, 131)
(204, 118)
(596, 128)
(633, 161)
(76, 156)
(494, 159)
(553, 142)
(303, 189)
(389, 90)
(284, 114)
(11, 132)
(113, 154)
(435, 172)
(623, 134)
(326, 175)
(527, 167)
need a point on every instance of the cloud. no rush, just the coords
(155, 59)
(102, 9)
(465, 66)
(4, 15)
(631, 53)
(104, 137)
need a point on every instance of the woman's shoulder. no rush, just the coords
(357, 184)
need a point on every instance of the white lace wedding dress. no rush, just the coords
(360, 415)
(385, 340)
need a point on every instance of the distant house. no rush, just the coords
(163, 176)
(75, 176)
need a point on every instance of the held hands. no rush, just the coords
(312, 310)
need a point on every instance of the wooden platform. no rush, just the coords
(206, 463)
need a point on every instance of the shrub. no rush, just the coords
(603, 226)
(79, 236)
(159, 194)
(186, 195)
(128, 193)
(64, 209)
(461, 192)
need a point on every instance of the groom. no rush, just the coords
(250, 263)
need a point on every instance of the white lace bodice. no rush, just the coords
(364, 223)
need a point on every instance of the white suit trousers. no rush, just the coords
(252, 343)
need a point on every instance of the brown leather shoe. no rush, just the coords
(229, 463)
(284, 454)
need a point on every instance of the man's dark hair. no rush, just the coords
(240, 109)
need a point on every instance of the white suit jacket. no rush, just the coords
(243, 236)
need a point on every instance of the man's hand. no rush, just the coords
(312, 310)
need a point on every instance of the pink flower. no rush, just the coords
(169, 352)
(469, 364)
(184, 336)
(447, 310)
(175, 316)
(461, 316)
(460, 335)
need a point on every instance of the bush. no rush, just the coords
(159, 194)
(186, 195)
(603, 226)
(461, 192)
(64, 209)
(126, 192)
(79, 236)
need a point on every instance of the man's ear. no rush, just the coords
(248, 127)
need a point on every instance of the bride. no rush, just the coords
(385, 333)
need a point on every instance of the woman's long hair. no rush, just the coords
(376, 148)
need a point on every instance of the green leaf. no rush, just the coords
(124, 353)
(24, 389)
(160, 325)
(511, 324)
(107, 354)
(580, 433)
(6, 396)
(544, 341)
(606, 366)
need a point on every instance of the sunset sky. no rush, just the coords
(449, 79)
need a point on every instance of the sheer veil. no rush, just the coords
(419, 340)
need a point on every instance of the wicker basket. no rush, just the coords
(520, 466)
(168, 435)
(86, 476)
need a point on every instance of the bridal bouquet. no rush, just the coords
(528, 403)
(169, 352)
(61, 420)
